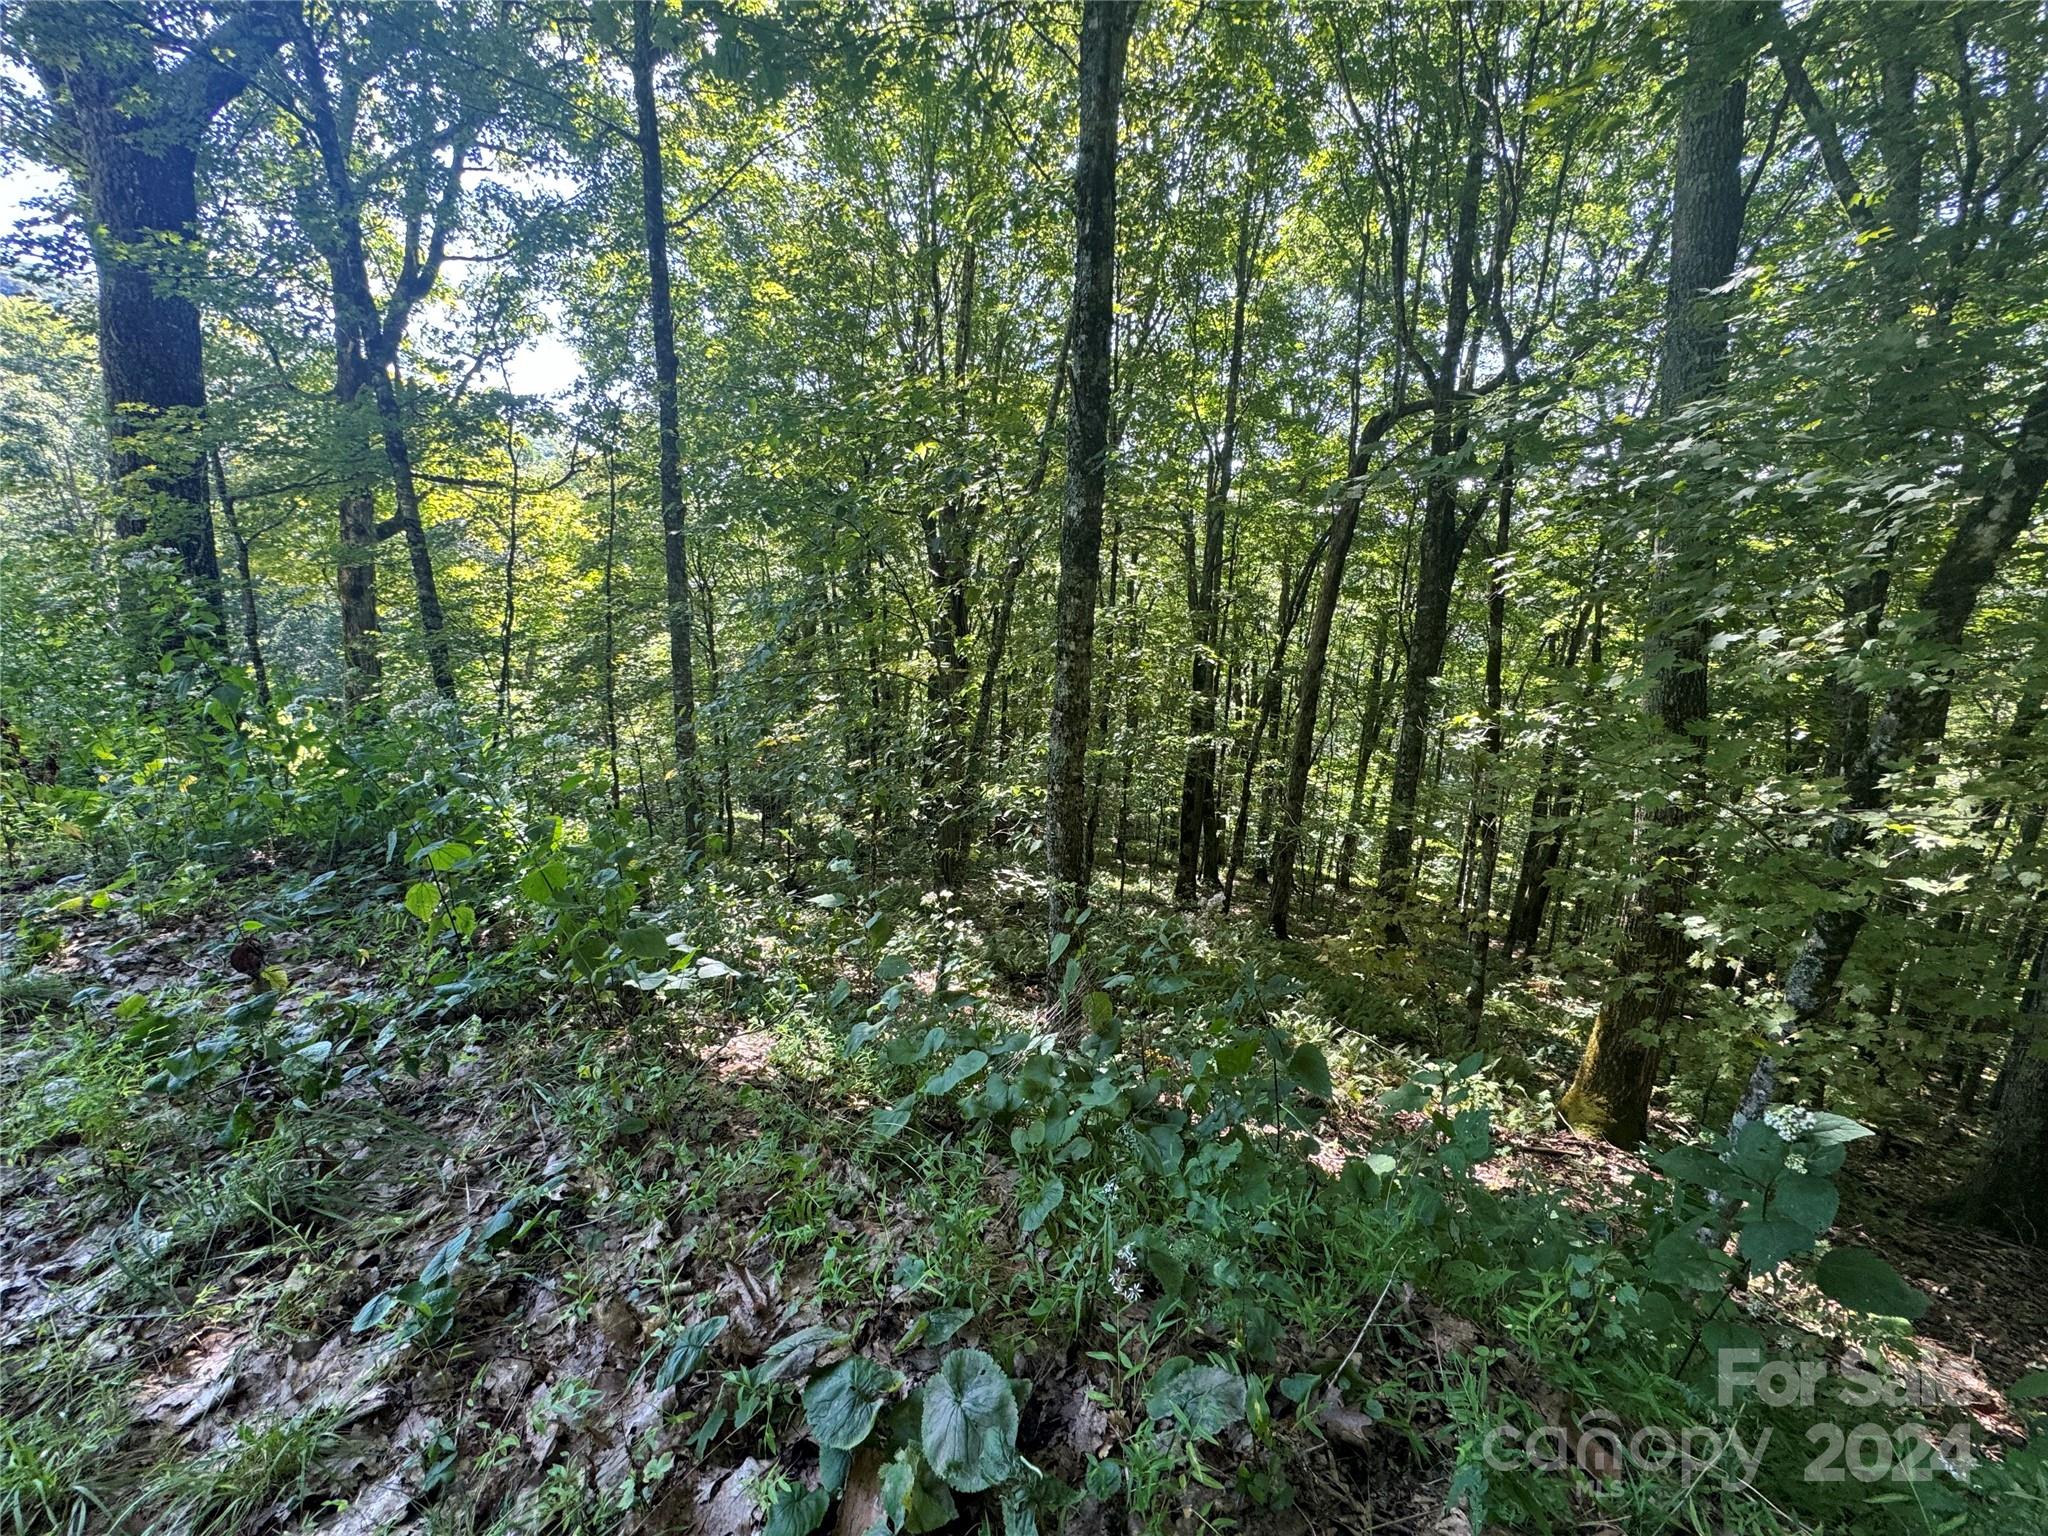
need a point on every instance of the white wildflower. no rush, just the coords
(1789, 1121)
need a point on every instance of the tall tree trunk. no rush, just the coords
(129, 122)
(1609, 1096)
(2009, 1189)
(408, 522)
(668, 450)
(1198, 776)
(1489, 790)
(507, 619)
(1550, 806)
(610, 656)
(367, 344)
(1105, 37)
(1443, 541)
(1379, 688)
(252, 624)
(1292, 596)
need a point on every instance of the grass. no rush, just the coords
(653, 1176)
(269, 1471)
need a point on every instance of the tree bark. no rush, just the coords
(367, 342)
(1609, 1096)
(130, 128)
(1443, 539)
(2009, 1189)
(1105, 37)
(252, 623)
(668, 450)
(1489, 789)
(1198, 819)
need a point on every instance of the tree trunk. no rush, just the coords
(1442, 544)
(2009, 1190)
(1198, 818)
(1292, 595)
(1610, 1095)
(252, 624)
(610, 656)
(1487, 797)
(1105, 36)
(130, 127)
(668, 452)
(508, 618)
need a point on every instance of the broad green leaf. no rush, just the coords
(796, 1511)
(1809, 1201)
(1204, 1400)
(794, 1355)
(688, 1351)
(547, 884)
(1041, 1205)
(1310, 1070)
(1863, 1282)
(1767, 1242)
(841, 1405)
(644, 943)
(969, 1426)
(1828, 1130)
(423, 899)
(963, 1066)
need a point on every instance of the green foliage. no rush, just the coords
(968, 1432)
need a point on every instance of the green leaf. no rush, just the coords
(964, 1066)
(912, 1499)
(841, 1406)
(2032, 1385)
(1802, 1198)
(1041, 1205)
(796, 1512)
(422, 899)
(1769, 1242)
(1862, 1282)
(969, 1426)
(1695, 1166)
(688, 1351)
(547, 884)
(241, 1124)
(446, 1257)
(1236, 1058)
(889, 1123)
(1830, 1130)
(941, 1323)
(792, 1356)
(1204, 1400)
(1310, 1070)
(645, 943)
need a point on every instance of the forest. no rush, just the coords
(1149, 766)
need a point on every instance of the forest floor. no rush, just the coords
(554, 1207)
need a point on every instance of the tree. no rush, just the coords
(128, 97)
(1609, 1095)
(1105, 38)
(646, 54)
(368, 336)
